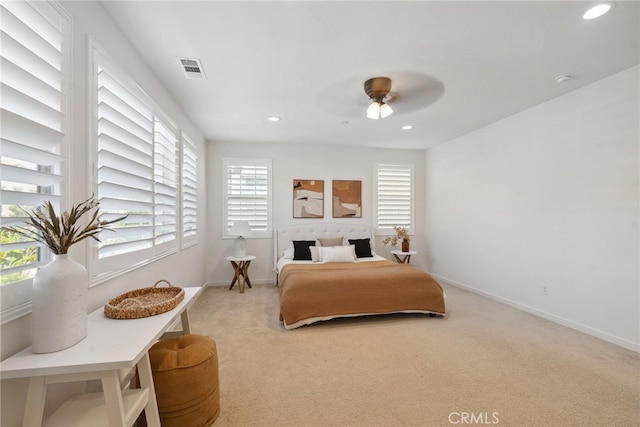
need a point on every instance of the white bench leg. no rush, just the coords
(113, 398)
(146, 381)
(34, 408)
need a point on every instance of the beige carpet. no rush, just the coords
(483, 364)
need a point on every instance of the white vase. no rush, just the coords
(59, 318)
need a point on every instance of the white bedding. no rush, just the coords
(284, 237)
(284, 261)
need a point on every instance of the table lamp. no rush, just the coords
(240, 228)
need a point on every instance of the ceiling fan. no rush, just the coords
(377, 89)
(405, 91)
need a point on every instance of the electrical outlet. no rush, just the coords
(545, 290)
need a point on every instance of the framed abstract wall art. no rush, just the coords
(347, 199)
(308, 198)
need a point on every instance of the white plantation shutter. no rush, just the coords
(394, 196)
(189, 193)
(124, 167)
(138, 171)
(34, 59)
(248, 195)
(166, 184)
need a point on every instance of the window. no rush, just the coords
(136, 173)
(394, 197)
(165, 168)
(189, 193)
(124, 166)
(247, 195)
(33, 76)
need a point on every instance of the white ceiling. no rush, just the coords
(456, 65)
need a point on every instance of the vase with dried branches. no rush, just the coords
(59, 316)
(402, 234)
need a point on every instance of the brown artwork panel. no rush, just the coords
(308, 198)
(347, 199)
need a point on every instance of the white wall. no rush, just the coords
(90, 18)
(547, 197)
(289, 162)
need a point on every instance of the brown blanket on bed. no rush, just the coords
(308, 291)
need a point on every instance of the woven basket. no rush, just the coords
(144, 302)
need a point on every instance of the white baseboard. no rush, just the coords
(629, 345)
(253, 282)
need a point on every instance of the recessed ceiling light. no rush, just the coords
(597, 11)
(274, 119)
(407, 127)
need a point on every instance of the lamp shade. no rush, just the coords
(385, 110)
(240, 228)
(378, 110)
(373, 112)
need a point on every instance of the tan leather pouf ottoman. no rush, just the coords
(185, 376)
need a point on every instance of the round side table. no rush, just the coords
(240, 271)
(403, 257)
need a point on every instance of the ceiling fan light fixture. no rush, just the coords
(379, 110)
(385, 110)
(373, 112)
(377, 89)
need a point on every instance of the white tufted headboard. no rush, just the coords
(284, 236)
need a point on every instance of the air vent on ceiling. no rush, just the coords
(192, 68)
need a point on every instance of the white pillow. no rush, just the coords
(315, 253)
(338, 253)
(288, 253)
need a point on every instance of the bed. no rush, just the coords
(344, 277)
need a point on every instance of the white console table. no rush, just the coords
(111, 347)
